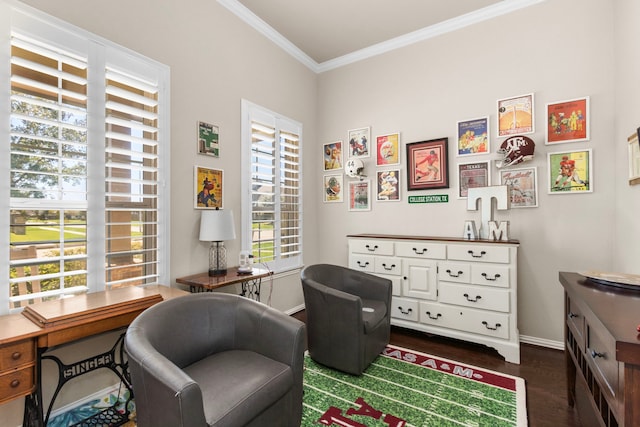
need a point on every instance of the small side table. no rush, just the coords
(251, 282)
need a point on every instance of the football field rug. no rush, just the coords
(407, 388)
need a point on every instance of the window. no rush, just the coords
(84, 153)
(272, 201)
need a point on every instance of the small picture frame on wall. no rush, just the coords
(332, 155)
(332, 188)
(388, 185)
(427, 164)
(515, 115)
(570, 172)
(208, 188)
(568, 121)
(472, 175)
(208, 139)
(360, 195)
(388, 149)
(473, 136)
(359, 141)
(523, 186)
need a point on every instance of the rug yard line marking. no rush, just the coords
(426, 411)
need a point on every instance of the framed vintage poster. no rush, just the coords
(523, 186)
(634, 158)
(208, 139)
(427, 164)
(515, 115)
(388, 185)
(388, 149)
(471, 175)
(332, 188)
(332, 155)
(360, 195)
(359, 140)
(568, 121)
(473, 136)
(570, 172)
(208, 188)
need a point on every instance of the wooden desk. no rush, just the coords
(251, 282)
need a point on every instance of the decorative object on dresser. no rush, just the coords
(489, 229)
(602, 349)
(459, 288)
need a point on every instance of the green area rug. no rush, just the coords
(407, 388)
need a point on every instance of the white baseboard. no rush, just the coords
(541, 342)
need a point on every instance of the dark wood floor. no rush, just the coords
(543, 370)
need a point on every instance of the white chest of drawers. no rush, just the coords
(463, 289)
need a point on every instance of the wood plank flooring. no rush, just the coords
(542, 369)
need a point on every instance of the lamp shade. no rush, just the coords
(217, 225)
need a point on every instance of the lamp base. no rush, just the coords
(213, 273)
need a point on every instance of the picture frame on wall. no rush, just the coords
(570, 172)
(359, 142)
(333, 188)
(523, 186)
(208, 139)
(515, 115)
(332, 155)
(568, 121)
(473, 136)
(208, 185)
(388, 185)
(472, 175)
(427, 164)
(388, 149)
(360, 195)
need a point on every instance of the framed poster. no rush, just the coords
(388, 149)
(568, 121)
(332, 155)
(473, 136)
(471, 175)
(332, 188)
(515, 115)
(388, 185)
(208, 139)
(359, 142)
(208, 188)
(570, 172)
(427, 164)
(523, 186)
(634, 158)
(360, 195)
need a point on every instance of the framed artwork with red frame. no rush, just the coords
(428, 164)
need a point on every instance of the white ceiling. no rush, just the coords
(325, 34)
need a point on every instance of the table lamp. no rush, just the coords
(215, 227)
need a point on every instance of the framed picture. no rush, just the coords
(471, 175)
(333, 188)
(388, 149)
(523, 186)
(360, 195)
(570, 172)
(208, 139)
(208, 184)
(388, 185)
(568, 121)
(515, 115)
(359, 140)
(634, 158)
(473, 136)
(332, 155)
(427, 164)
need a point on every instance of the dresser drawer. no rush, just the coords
(17, 354)
(601, 354)
(454, 272)
(575, 322)
(403, 308)
(17, 383)
(480, 297)
(465, 319)
(479, 253)
(362, 262)
(490, 275)
(388, 265)
(421, 250)
(371, 247)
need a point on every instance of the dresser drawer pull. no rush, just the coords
(478, 297)
(482, 253)
(407, 312)
(371, 249)
(363, 264)
(421, 252)
(455, 275)
(573, 315)
(433, 317)
(14, 383)
(493, 279)
(595, 354)
(16, 355)
(388, 268)
(486, 325)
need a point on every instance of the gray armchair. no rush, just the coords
(216, 359)
(348, 316)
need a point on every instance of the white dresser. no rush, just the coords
(464, 289)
